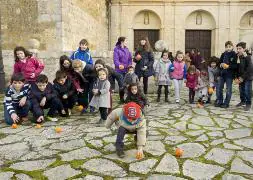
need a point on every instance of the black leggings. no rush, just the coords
(166, 90)
(103, 113)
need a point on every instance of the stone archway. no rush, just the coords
(200, 32)
(146, 23)
(246, 28)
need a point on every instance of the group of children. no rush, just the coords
(79, 82)
(204, 76)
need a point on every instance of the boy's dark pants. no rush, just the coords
(245, 91)
(69, 102)
(20, 111)
(53, 105)
(103, 113)
(120, 137)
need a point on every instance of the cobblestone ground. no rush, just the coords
(217, 144)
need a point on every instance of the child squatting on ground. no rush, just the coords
(128, 119)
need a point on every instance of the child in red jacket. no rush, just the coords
(27, 64)
(192, 80)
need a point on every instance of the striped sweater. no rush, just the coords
(12, 97)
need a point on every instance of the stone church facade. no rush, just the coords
(54, 27)
(184, 24)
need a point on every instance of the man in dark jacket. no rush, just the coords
(245, 76)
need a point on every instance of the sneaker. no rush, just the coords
(92, 109)
(120, 153)
(83, 111)
(224, 106)
(247, 107)
(53, 119)
(101, 121)
(177, 101)
(69, 112)
(217, 105)
(240, 104)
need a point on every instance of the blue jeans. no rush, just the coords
(20, 111)
(222, 81)
(245, 91)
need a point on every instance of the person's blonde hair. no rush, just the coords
(77, 63)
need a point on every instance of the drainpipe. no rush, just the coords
(2, 74)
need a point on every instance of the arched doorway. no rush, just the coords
(200, 32)
(246, 29)
(146, 23)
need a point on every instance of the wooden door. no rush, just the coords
(200, 39)
(153, 36)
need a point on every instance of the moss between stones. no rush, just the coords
(58, 162)
(76, 163)
(38, 174)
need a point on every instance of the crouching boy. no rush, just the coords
(16, 104)
(43, 96)
(129, 119)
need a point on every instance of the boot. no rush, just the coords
(158, 98)
(166, 94)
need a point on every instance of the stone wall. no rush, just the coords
(27, 19)
(85, 19)
(58, 25)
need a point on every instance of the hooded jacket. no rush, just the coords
(82, 55)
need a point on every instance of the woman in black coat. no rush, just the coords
(144, 60)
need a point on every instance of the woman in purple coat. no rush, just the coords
(122, 58)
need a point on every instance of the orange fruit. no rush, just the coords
(210, 90)
(14, 126)
(139, 155)
(58, 129)
(179, 152)
(38, 126)
(138, 57)
(80, 108)
(225, 66)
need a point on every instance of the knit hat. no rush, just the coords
(131, 111)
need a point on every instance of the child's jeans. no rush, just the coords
(178, 87)
(229, 82)
(245, 92)
(20, 111)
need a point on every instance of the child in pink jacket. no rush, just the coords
(26, 64)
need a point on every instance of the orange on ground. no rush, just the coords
(80, 108)
(58, 129)
(139, 155)
(38, 126)
(179, 152)
(14, 126)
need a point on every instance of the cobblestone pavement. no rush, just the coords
(217, 144)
